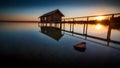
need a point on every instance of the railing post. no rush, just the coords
(60, 25)
(86, 27)
(70, 26)
(46, 24)
(64, 20)
(73, 19)
(64, 25)
(109, 30)
(73, 25)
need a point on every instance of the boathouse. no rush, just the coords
(53, 16)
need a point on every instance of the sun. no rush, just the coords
(100, 18)
(98, 26)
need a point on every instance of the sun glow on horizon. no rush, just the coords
(100, 18)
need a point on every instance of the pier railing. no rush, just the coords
(90, 18)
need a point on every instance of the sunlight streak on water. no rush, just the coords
(98, 26)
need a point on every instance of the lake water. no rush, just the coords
(30, 44)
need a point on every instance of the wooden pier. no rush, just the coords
(86, 20)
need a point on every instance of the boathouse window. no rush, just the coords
(45, 19)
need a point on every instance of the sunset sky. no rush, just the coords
(30, 10)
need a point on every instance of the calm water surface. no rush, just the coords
(28, 44)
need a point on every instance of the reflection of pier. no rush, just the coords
(61, 27)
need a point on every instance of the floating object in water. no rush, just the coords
(80, 46)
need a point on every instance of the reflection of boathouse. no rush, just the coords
(52, 32)
(53, 16)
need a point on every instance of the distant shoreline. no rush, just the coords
(18, 21)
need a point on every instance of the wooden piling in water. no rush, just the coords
(109, 30)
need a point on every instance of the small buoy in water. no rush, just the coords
(80, 46)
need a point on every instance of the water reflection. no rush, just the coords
(52, 32)
(34, 47)
(94, 31)
(98, 30)
(98, 26)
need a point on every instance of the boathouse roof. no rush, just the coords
(52, 12)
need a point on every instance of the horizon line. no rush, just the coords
(16, 21)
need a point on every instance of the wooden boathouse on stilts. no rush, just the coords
(52, 17)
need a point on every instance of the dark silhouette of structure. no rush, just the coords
(52, 32)
(53, 16)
